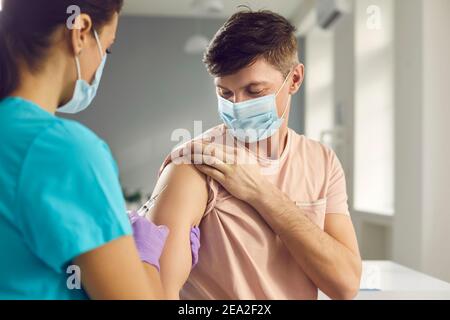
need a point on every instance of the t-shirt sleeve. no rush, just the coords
(337, 200)
(70, 197)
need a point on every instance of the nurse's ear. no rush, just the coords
(81, 33)
(298, 75)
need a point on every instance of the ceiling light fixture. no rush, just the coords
(197, 43)
(208, 6)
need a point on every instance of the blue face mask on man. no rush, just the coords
(252, 120)
(84, 92)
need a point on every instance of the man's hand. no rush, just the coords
(233, 168)
(329, 257)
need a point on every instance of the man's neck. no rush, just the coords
(273, 147)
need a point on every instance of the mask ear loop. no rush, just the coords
(77, 63)
(284, 83)
(279, 90)
(99, 44)
(77, 60)
(285, 108)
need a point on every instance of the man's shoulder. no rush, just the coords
(181, 154)
(300, 139)
(216, 132)
(309, 147)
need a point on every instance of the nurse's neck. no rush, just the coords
(43, 87)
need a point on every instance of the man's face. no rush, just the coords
(257, 80)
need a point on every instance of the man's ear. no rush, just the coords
(298, 75)
(80, 33)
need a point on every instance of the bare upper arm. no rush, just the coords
(180, 206)
(114, 271)
(340, 227)
(184, 198)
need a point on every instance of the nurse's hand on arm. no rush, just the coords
(180, 207)
(330, 257)
(101, 266)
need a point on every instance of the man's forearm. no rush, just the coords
(330, 265)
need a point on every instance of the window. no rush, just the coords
(374, 107)
(319, 85)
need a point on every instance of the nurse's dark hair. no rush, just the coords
(26, 27)
(249, 35)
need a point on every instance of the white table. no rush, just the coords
(386, 280)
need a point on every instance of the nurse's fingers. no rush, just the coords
(211, 172)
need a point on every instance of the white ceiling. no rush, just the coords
(182, 8)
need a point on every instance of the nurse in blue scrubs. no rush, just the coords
(62, 213)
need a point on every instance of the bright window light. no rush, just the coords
(319, 87)
(374, 108)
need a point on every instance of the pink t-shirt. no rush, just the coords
(240, 255)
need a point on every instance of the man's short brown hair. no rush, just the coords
(249, 35)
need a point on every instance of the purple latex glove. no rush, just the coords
(149, 238)
(195, 245)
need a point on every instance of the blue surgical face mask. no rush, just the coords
(252, 120)
(84, 92)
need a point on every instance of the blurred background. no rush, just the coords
(376, 90)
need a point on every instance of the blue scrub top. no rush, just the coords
(60, 197)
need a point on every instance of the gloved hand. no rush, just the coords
(195, 245)
(149, 238)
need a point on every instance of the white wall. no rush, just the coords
(422, 215)
(409, 144)
(436, 138)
